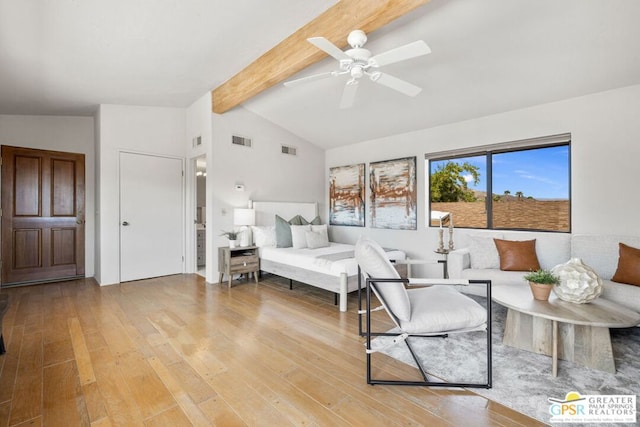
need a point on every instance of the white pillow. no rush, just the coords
(316, 239)
(321, 229)
(264, 235)
(483, 252)
(298, 236)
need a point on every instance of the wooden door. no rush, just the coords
(43, 216)
(151, 216)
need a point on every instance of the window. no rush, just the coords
(528, 183)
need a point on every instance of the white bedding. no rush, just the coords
(311, 259)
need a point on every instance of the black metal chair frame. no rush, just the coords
(368, 334)
(361, 311)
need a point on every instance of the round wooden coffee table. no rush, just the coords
(561, 329)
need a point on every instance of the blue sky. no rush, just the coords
(540, 173)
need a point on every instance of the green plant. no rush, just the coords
(231, 235)
(449, 182)
(543, 277)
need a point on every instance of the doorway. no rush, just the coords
(43, 215)
(151, 216)
(201, 214)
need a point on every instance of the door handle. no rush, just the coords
(125, 223)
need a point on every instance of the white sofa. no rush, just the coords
(597, 251)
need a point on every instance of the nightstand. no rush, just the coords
(238, 261)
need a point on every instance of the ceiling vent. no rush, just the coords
(241, 140)
(289, 150)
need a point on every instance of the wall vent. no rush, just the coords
(289, 150)
(241, 140)
(197, 141)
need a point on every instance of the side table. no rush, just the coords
(444, 262)
(239, 260)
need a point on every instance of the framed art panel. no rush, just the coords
(346, 195)
(393, 194)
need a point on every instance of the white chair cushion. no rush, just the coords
(299, 236)
(442, 309)
(374, 262)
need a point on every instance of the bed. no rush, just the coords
(332, 268)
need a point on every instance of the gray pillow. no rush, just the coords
(283, 233)
(300, 218)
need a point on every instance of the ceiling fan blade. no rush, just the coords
(330, 48)
(408, 51)
(349, 94)
(396, 84)
(296, 82)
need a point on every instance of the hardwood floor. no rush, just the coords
(176, 351)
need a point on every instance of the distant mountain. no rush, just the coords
(481, 195)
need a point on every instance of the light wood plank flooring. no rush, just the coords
(176, 351)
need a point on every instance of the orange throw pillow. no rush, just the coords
(517, 255)
(628, 266)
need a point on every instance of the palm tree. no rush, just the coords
(519, 195)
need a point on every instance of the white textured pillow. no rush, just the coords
(316, 239)
(321, 229)
(298, 236)
(264, 235)
(483, 252)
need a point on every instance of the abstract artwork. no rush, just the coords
(346, 195)
(393, 194)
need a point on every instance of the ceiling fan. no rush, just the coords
(358, 62)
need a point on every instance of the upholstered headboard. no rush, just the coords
(266, 211)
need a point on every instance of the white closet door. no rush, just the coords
(151, 216)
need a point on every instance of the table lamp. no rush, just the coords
(244, 218)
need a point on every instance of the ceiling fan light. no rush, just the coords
(357, 38)
(357, 72)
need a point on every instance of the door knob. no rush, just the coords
(125, 223)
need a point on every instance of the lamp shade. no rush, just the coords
(243, 216)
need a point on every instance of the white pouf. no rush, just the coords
(579, 283)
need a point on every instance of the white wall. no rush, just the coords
(266, 173)
(150, 130)
(604, 154)
(70, 134)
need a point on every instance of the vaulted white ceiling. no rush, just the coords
(67, 56)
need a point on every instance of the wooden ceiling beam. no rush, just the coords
(294, 53)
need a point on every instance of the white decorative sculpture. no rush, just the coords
(579, 283)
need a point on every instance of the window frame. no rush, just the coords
(488, 151)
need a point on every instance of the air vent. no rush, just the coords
(289, 150)
(241, 140)
(197, 141)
